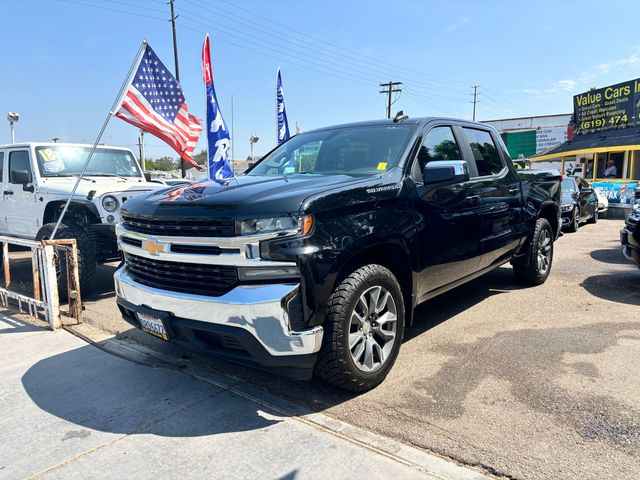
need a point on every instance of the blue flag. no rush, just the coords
(218, 138)
(283, 125)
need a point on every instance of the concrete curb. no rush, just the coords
(420, 460)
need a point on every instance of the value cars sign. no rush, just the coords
(612, 107)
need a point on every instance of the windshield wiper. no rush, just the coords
(104, 174)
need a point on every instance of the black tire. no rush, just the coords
(575, 221)
(86, 255)
(527, 268)
(335, 364)
(594, 218)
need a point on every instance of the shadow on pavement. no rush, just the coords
(435, 311)
(104, 286)
(101, 392)
(618, 286)
(15, 325)
(609, 255)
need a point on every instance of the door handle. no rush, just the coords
(514, 190)
(7, 192)
(471, 199)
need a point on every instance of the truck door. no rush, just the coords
(498, 184)
(3, 206)
(19, 200)
(447, 217)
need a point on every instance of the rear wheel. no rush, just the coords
(363, 330)
(575, 221)
(86, 255)
(534, 267)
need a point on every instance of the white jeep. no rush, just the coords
(36, 180)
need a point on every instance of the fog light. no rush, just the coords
(110, 218)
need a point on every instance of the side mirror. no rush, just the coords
(445, 172)
(147, 176)
(22, 177)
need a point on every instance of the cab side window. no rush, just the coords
(438, 144)
(19, 160)
(485, 152)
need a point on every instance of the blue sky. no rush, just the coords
(64, 60)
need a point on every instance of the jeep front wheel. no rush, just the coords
(86, 255)
(363, 330)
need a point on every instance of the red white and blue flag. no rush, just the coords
(218, 138)
(154, 102)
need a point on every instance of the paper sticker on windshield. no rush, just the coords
(51, 163)
(382, 166)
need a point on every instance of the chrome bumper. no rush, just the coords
(257, 309)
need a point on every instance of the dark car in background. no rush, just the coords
(579, 203)
(630, 234)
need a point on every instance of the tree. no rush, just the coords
(200, 158)
(165, 164)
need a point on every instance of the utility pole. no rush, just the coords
(141, 150)
(183, 166)
(55, 139)
(390, 90)
(475, 100)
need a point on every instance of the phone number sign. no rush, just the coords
(613, 107)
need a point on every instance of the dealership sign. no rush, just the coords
(616, 192)
(609, 108)
(526, 143)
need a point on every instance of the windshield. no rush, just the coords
(568, 185)
(361, 150)
(65, 161)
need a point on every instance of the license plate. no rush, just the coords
(152, 325)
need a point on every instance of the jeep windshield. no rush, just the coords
(362, 150)
(66, 161)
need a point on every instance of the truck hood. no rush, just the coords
(247, 196)
(64, 185)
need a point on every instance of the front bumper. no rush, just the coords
(249, 324)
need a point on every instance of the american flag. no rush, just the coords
(155, 103)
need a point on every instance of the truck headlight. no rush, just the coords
(110, 203)
(293, 225)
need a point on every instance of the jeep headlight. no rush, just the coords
(110, 203)
(293, 225)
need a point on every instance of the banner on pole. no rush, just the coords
(218, 138)
(281, 112)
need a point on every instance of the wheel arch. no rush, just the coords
(81, 212)
(392, 255)
(550, 212)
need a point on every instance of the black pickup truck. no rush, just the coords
(315, 259)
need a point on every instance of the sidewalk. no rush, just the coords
(71, 410)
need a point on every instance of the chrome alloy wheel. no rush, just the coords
(544, 251)
(372, 329)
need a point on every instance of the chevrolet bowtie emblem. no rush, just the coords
(153, 246)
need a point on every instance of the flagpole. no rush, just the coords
(121, 94)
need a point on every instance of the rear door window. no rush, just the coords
(485, 152)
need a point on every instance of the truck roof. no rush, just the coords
(58, 144)
(387, 121)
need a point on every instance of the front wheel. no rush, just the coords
(363, 330)
(534, 267)
(575, 221)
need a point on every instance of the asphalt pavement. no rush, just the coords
(72, 410)
(535, 383)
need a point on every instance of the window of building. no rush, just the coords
(635, 174)
(610, 164)
(19, 160)
(485, 153)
